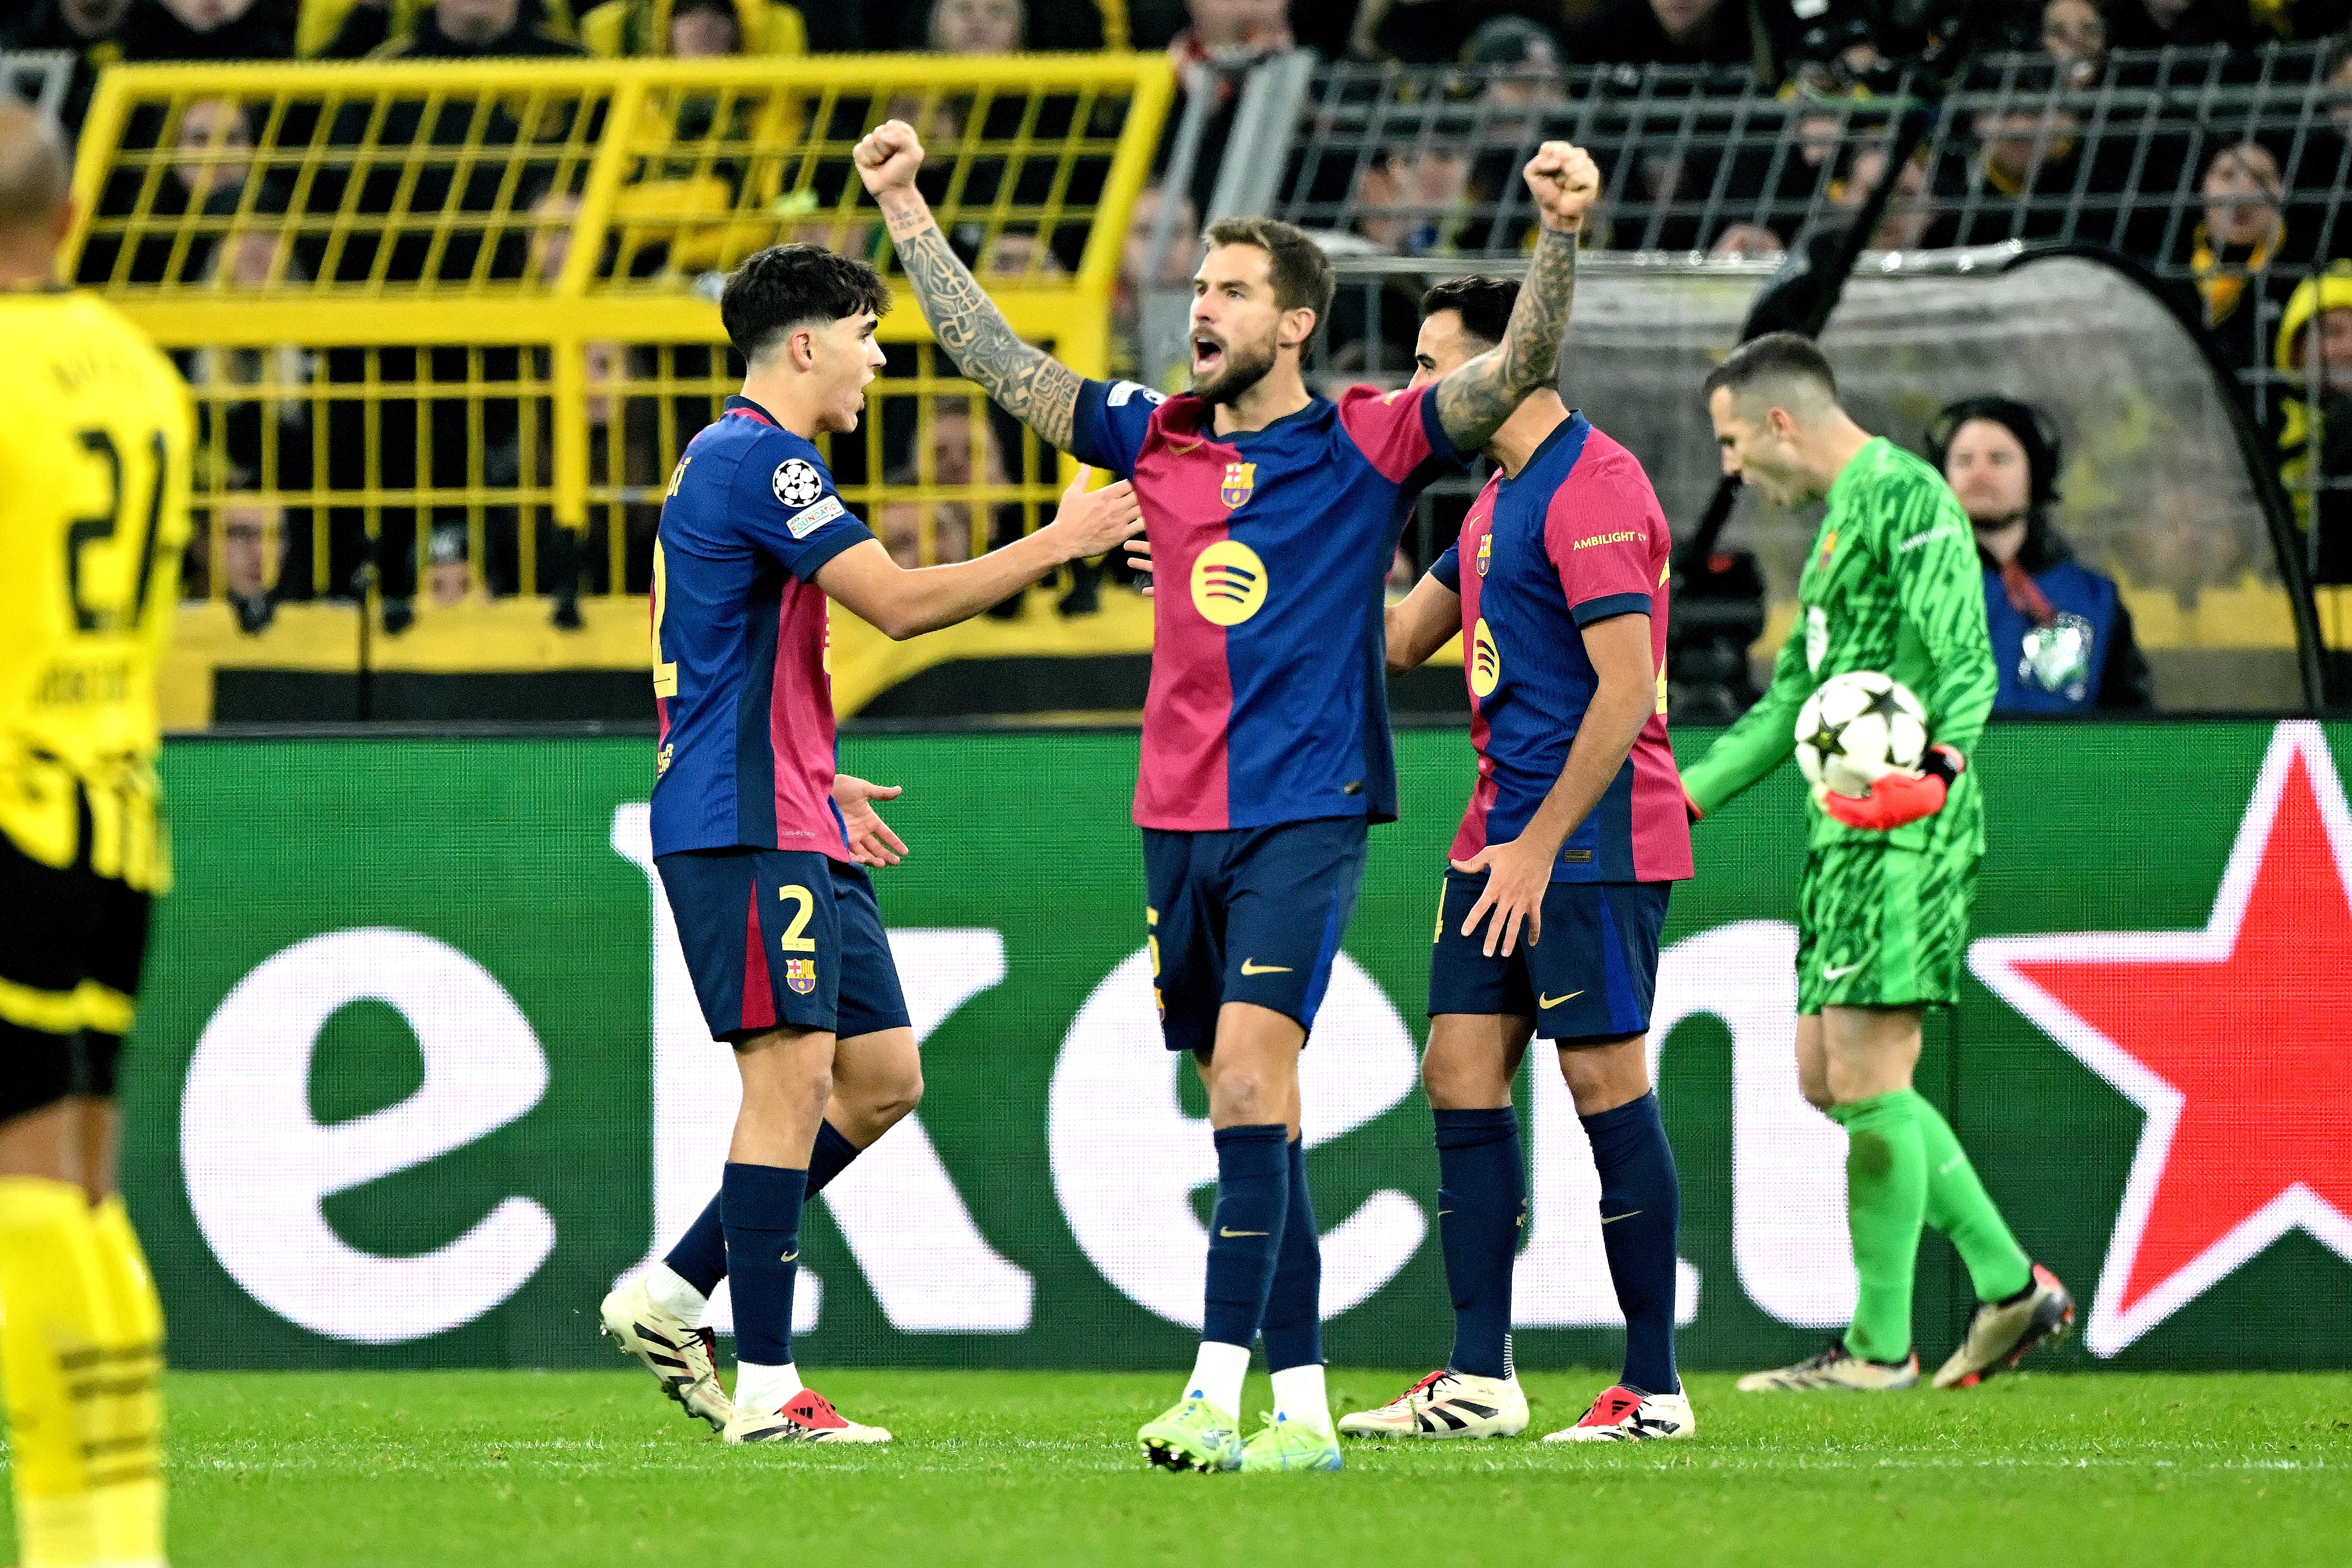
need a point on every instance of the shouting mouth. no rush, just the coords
(1208, 355)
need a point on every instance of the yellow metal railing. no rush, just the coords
(446, 313)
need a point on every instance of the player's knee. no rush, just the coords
(1453, 1084)
(895, 1096)
(1245, 1096)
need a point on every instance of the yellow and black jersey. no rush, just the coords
(96, 434)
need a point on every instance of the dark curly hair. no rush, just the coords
(788, 286)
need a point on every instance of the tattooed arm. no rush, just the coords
(1474, 401)
(1033, 385)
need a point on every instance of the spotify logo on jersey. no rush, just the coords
(1228, 582)
(1485, 664)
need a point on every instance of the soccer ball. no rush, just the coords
(1858, 727)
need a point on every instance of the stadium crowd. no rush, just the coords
(2238, 212)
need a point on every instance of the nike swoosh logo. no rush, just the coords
(1223, 1231)
(1252, 966)
(1443, 1213)
(1613, 1218)
(788, 1257)
(1556, 1001)
(1840, 974)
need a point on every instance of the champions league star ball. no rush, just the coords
(1857, 727)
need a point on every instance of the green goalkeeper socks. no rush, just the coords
(1886, 1200)
(1959, 1208)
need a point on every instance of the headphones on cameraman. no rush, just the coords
(2035, 431)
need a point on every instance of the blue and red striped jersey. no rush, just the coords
(1268, 701)
(740, 679)
(1575, 537)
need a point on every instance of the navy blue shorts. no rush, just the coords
(783, 937)
(1590, 979)
(1250, 914)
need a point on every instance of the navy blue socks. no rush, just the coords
(829, 1158)
(700, 1256)
(764, 1241)
(1482, 1201)
(1293, 1325)
(1640, 1204)
(1245, 1233)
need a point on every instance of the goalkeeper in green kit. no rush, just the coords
(1892, 584)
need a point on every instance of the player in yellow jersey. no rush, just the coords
(95, 442)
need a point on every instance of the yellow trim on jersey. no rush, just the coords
(87, 1005)
(45, 1012)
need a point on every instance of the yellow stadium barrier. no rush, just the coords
(452, 324)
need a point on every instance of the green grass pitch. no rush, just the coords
(518, 1469)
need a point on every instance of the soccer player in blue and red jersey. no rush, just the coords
(759, 840)
(1574, 835)
(1273, 516)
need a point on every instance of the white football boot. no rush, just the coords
(807, 1416)
(1623, 1415)
(678, 1353)
(2001, 1332)
(1836, 1367)
(1446, 1405)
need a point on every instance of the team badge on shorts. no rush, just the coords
(800, 974)
(795, 482)
(1240, 478)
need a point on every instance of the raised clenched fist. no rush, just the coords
(1565, 181)
(888, 156)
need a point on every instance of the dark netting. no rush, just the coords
(2156, 487)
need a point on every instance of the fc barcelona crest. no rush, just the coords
(1485, 553)
(800, 974)
(1239, 479)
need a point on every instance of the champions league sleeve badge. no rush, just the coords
(796, 483)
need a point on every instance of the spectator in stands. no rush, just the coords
(1439, 32)
(455, 31)
(1667, 33)
(2075, 34)
(976, 27)
(947, 452)
(252, 542)
(2314, 352)
(89, 30)
(2243, 247)
(2013, 183)
(1522, 63)
(1910, 222)
(211, 30)
(1409, 198)
(2062, 636)
(2180, 25)
(215, 142)
(693, 29)
(1211, 55)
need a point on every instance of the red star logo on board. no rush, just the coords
(2231, 1038)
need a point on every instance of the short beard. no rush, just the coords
(1239, 374)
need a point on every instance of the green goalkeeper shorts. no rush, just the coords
(1882, 926)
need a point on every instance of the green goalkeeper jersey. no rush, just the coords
(1892, 584)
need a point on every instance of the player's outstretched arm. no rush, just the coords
(1761, 739)
(1474, 401)
(901, 603)
(1421, 624)
(1033, 385)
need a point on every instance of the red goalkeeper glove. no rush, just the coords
(1898, 798)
